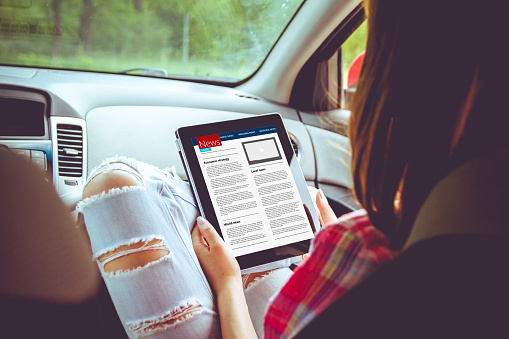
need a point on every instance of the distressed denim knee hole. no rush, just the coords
(86, 202)
(251, 279)
(116, 163)
(155, 325)
(109, 180)
(131, 256)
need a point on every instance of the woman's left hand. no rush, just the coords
(223, 274)
(216, 259)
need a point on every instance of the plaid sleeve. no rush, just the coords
(343, 254)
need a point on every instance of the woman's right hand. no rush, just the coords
(325, 212)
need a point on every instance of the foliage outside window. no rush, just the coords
(226, 39)
(351, 50)
(352, 47)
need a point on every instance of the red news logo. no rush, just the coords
(209, 141)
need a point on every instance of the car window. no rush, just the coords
(327, 81)
(223, 40)
(353, 49)
(353, 56)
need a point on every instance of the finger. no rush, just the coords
(305, 256)
(327, 214)
(200, 246)
(320, 217)
(197, 238)
(208, 232)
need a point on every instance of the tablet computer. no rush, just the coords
(248, 184)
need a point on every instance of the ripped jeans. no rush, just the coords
(168, 297)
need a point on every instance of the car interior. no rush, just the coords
(100, 115)
(66, 118)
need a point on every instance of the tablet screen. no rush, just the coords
(252, 190)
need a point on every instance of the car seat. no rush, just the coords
(49, 286)
(452, 278)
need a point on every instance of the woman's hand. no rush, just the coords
(216, 259)
(223, 274)
(325, 212)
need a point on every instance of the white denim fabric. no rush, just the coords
(169, 297)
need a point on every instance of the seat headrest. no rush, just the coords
(472, 199)
(43, 256)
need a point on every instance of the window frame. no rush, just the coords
(309, 93)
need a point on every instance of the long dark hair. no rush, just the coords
(432, 94)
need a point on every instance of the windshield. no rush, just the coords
(223, 40)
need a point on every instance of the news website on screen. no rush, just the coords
(252, 189)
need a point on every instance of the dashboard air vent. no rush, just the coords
(70, 150)
(295, 145)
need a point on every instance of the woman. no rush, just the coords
(430, 98)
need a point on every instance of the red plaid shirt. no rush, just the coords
(342, 255)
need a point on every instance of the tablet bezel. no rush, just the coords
(185, 136)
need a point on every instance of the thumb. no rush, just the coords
(326, 213)
(199, 243)
(208, 232)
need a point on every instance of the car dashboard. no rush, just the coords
(74, 120)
